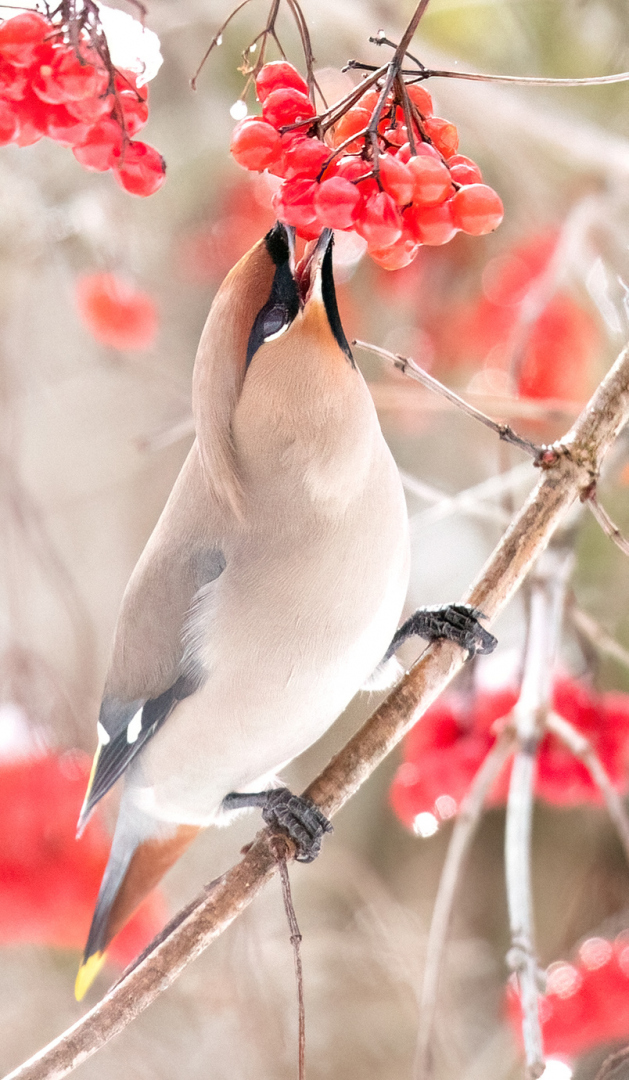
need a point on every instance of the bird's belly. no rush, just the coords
(286, 659)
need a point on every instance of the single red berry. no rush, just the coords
(278, 75)
(115, 312)
(305, 158)
(284, 107)
(255, 145)
(20, 37)
(396, 136)
(356, 170)
(421, 99)
(294, 204)
(431, 178)
(141, 169)
(309, 232)
(463, 170)
(66, 77)
(379, 222)
(369, 100)
(442, 134)
(100, 149)
(91, 109)
(396, 179)
(431, 225)
(13, 81)
(65, 128)
(351, 123)
(126, 81)
(397, 255)
(477, 209)
(337, 202)
(135, 112)
(32, 115)
(9, 124)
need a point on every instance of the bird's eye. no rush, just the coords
(275, 321)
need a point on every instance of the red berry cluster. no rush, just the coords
(586, 1003)
(115, 312)
(397, 191)
(48, 88)
(443, 753)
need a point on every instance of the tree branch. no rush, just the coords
(568, 471)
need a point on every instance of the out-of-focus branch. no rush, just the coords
(531, 710)
(606, 524)
(463, 833)
(598, 636)
(568, 471)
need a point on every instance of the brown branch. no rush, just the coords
(597, 636)
(568, 472)
(410, 368)
(282, 851)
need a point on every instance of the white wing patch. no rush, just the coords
(134, 727)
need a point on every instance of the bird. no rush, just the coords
(269, 591)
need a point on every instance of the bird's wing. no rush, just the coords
(150, 671)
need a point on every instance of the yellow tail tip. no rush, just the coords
(87, 973)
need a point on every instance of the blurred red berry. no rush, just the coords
(421, 99)
(379, 221)
(397, 255)
(13, 81)
(48, 880)
(431, 179)
(140, 169)
(294, 202)
(278, 75)
(8, 123)
(116, 313)
(442, 134)
(431, 225)
(65, 128)
(20, 37)
(354, 121)
(305, 158)
(396, 179)
(66, 77)
(100, 146)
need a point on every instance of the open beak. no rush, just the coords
(309, 266)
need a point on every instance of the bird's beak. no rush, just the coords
(308, 271)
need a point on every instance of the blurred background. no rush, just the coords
(524, 321)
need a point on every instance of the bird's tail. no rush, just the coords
(143, 849)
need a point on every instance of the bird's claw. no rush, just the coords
(459, 623)
(300, 818)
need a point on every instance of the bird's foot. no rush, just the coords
(456, 622)
(293, 814)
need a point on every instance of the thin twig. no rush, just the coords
(582, 748)
(469, 501)
(282, 850)
(598, 636)
(410, 368)
(526, 80)
(465, 826)
(547, 600)
(606, 523)
(577, 462)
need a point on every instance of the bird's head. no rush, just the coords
(269, 311)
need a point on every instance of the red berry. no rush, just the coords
(103, 142)
(477, 209)
(135, 111)
(20, 37)
(13, 81)
(397, 255)
(284, 107)
(431, 179)
(396, 136)
(396, 179)
(294, 202)
(9, 124)
(379, 222)
(125, 81)
(64, 77)
(115, 312)
(32, 117)
(141, 169)
(255, 144)
(65, 128)
(353, 121)
(442, 134)
(353, 168)
(305, 158)
(91, 109)
(461, 167)
(421, 99)
(278, 75)
(337, 202)
(431, 225)
(369, 100)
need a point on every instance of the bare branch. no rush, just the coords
(282, 850)
(524, 80)
(410, 368)
(606, 523)
(463, 833)
(569, 471)
(598, 636)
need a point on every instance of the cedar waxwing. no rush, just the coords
(269, 590)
